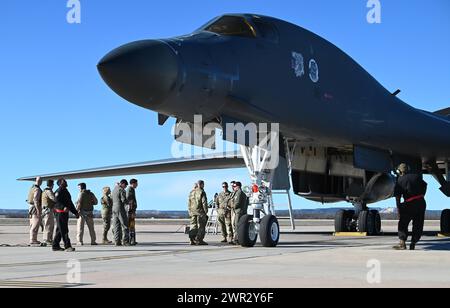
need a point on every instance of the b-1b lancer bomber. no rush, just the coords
(339, 133)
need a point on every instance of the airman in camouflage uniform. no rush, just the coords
(85, 206)
(35, 210)
(120, 219)
(48, 216)
(131, 209)
(106, 213)
(239, 208)
(198, 205)
(190, 199)
(223, 202)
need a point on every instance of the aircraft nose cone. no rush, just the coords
(142, 72)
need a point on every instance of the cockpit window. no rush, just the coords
(266, 30)
(232, 26)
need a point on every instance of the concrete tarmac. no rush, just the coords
(308, 257)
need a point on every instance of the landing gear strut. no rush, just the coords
(260, 164)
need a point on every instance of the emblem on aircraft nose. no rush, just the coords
(298, 64)
(313, 71)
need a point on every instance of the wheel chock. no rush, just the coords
(350, 234)
(443, 235)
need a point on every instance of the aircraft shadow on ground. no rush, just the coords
(435, 245)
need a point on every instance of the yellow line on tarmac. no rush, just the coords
(349, 234)
(443, 235)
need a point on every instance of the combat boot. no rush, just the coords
(106, 242)
(35, 244)
(400, 246)
(193, 242)
(133, 239)
(202, 243)
(70, 249)
(224, 241)
(412, 246)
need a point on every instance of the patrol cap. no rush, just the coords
(50, 183)
(124, 182)
(133, 181)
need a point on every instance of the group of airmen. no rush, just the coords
(48, 206)
(119, 210)
(231, 206)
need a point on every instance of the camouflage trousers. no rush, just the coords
(35, 223)
(49, 224)
(106, 216)
(226, 225)
(132, 226)
(120, 226)
(88, 219)
(236, 214)
(198, 227)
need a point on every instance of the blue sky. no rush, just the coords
(58, 115)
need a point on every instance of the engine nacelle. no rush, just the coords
(380, 187)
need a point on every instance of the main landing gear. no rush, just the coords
(445, 222)
(360, 220)
(445, 188)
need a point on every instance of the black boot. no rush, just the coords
(133, 238)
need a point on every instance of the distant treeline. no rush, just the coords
(326, 213)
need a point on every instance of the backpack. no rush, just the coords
(94, 199)
(30, 199)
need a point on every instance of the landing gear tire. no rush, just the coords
(343, 221)
(269, 231)
(246, 231)
(377, 222)
(369, 222)
(445, 222)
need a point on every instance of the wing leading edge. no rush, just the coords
(196, 163)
